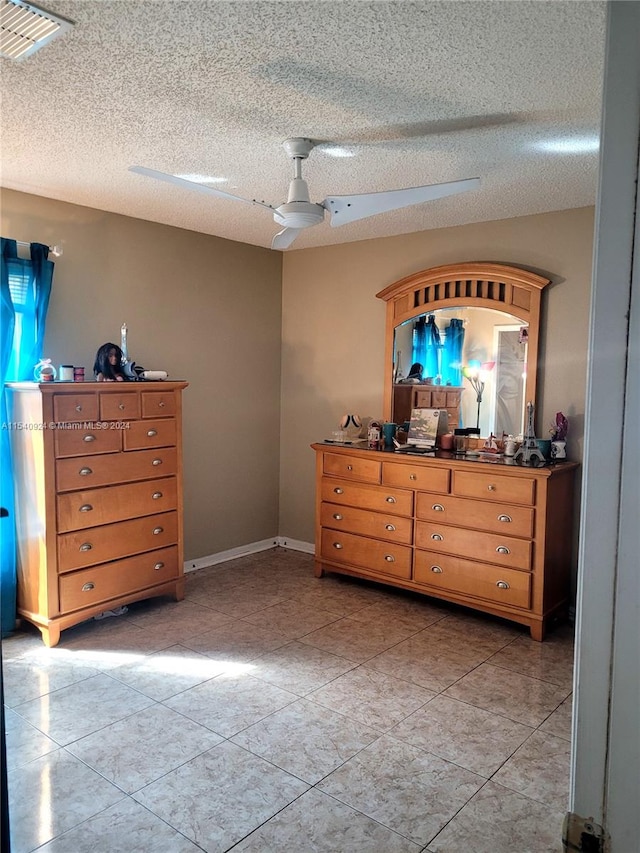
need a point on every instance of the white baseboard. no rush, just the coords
(245, 550)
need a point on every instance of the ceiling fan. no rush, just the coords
(299, 212)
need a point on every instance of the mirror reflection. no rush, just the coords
(470, 360)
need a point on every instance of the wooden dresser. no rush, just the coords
(98, 480)
(423, 396)
(490, 535)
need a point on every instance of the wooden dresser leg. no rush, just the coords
(318, 570)
(50, 635)
(537, 630)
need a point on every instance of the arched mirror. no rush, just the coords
(473, 331)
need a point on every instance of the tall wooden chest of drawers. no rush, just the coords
(98, 497)
(496, 537)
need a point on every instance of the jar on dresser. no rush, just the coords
(98, 497)
(496, 537)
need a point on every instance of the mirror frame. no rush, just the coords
(474, 284)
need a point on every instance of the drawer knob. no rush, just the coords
(86, 546)
(502, 585)
(152, 432)
(121, 407)
(337, 545)
(78, 408)
(436, 570)
(338, 491)
(491, 487)
(390, 527)
(437, 537)
(437, 508)
(84, 472)
(349, 467)
(337, 516)
(502, 549)
(157, 462)
(156, 495)
(506, 518)
(390, 499)
(412, 477)
(157, 530)
(389, 558)
(161, 404)
(89, 438)
(87, 587)
(158, 566)
(86, 508)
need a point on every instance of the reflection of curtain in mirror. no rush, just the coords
(451, 362)
(426, 346)
(510, 367)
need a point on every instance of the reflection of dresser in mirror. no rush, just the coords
(422, 396)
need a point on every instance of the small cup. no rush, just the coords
(446, 441)
(339, 435)
(65, 373)
(389, 433)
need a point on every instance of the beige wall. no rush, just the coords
(333, 330)
(204, 309)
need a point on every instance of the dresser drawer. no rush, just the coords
(75, 407)
(493, 487)
(379, 498)
(415, 476)
(91, 507)
(113, 541)
(383, 557)
(492, 583)
(82, 472)
(490, 547)
(375, 524)
(158, 404)
(157, 433)
(351, 467)
(80, 442)
(119, 405)
(100, 583)
(482, 515)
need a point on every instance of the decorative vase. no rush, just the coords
(559, 449)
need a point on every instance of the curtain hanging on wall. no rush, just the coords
(426, 346)
(25, 288)
(452, 353)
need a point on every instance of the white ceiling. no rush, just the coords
(425, 92)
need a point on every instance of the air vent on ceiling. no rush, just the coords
(25, 28)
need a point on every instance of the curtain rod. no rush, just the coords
(56, 251)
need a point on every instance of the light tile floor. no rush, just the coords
(273, 711)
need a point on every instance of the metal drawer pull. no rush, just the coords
(89, 438)
(337, 516)
(502, 549)
(413, 477)
(390, 499)
(84, 471)
(338, 491)
(391, 527)
(389, 558)
(88, 586)
(506, 518)
(161, 404)
(86, 508)
(158, 566)
(437, 537)
(437, 508)
(157, 530)
(86, 546)
(502, 585)
(156, 495)
(152, 432)
(436, 570)
(491, 487)
(157, 462)
(349, 467)
(121, 407)
(337, 545)
(78, 408)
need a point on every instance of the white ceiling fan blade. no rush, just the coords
(192, 185)
(283, 239)
(350, 208)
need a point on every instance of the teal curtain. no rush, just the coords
(426, 346)
(25, 287)
(452, 353)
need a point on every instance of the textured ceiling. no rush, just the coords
(422, 92)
